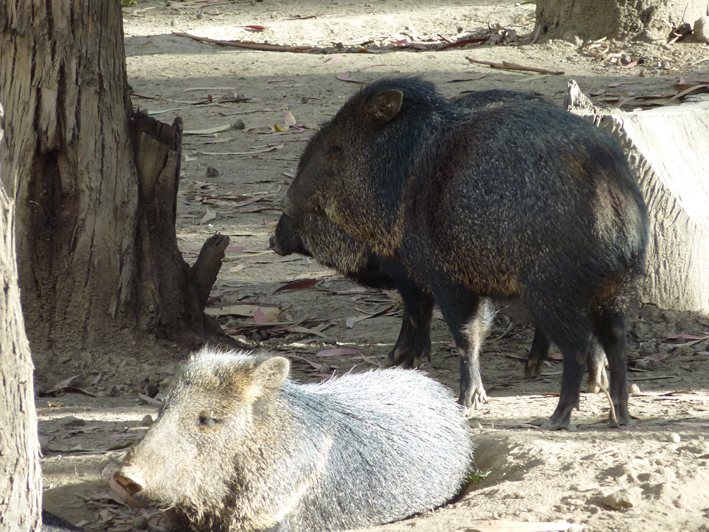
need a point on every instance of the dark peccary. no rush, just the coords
(238, 447)
(520, 199)
(316, 236)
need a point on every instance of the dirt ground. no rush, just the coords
(652, 476)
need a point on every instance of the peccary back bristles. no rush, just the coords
(237, 448)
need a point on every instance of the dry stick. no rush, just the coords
(612, 414)
(246, 44)
(505, 65)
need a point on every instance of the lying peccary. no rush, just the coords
(239, 447)
(519, 199)
(316, 236)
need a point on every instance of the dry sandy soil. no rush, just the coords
(652, 476)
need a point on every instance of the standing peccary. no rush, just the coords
(238, 447)
(315, 236)
(518, 199)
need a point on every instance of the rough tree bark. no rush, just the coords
(647, 20)
(96, 189)
(20, 474)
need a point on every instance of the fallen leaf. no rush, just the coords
(209, 131)
(686, 337)
(253, 27)
(337, 352)
(259, 316)
(208, 217)
(350, 322)
(334, 59)
(345, 76)
(297, 285)
(315, 365)
(246, 311)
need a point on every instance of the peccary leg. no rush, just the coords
(596, 362)
(574, 364)
(596, 368)
(537, 355)
(414, 340)
(468, 317)
(611, 333)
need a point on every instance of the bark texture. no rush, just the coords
(96, 188)
(667, 148)
(20, 473)
(647, 20)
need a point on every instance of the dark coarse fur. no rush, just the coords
(52, 523)
(237, 447)
(516, 199)
(316, 236)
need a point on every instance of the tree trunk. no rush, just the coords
(20, 474)
(647, 20)
(95, 187)
(667, 149)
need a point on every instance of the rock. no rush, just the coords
(623, 499)
(71, 421)
(675, 438)
(701, 29)
(146, 421)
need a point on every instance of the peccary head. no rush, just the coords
(194, 455)
(354, 169)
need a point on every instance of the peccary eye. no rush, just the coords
(205, 420)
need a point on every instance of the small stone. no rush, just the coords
(140, 522)
(71, 421)
(212, 172)
(634, 389)
(623, 499)
(146, 421)
(646, 364)
(239, 124)
(675, 438)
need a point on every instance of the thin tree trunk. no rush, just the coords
(96, 191)
(20, 474)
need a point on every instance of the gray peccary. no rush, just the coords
(239, 447)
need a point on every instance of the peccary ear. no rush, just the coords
(384, 105)
(271, 373)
